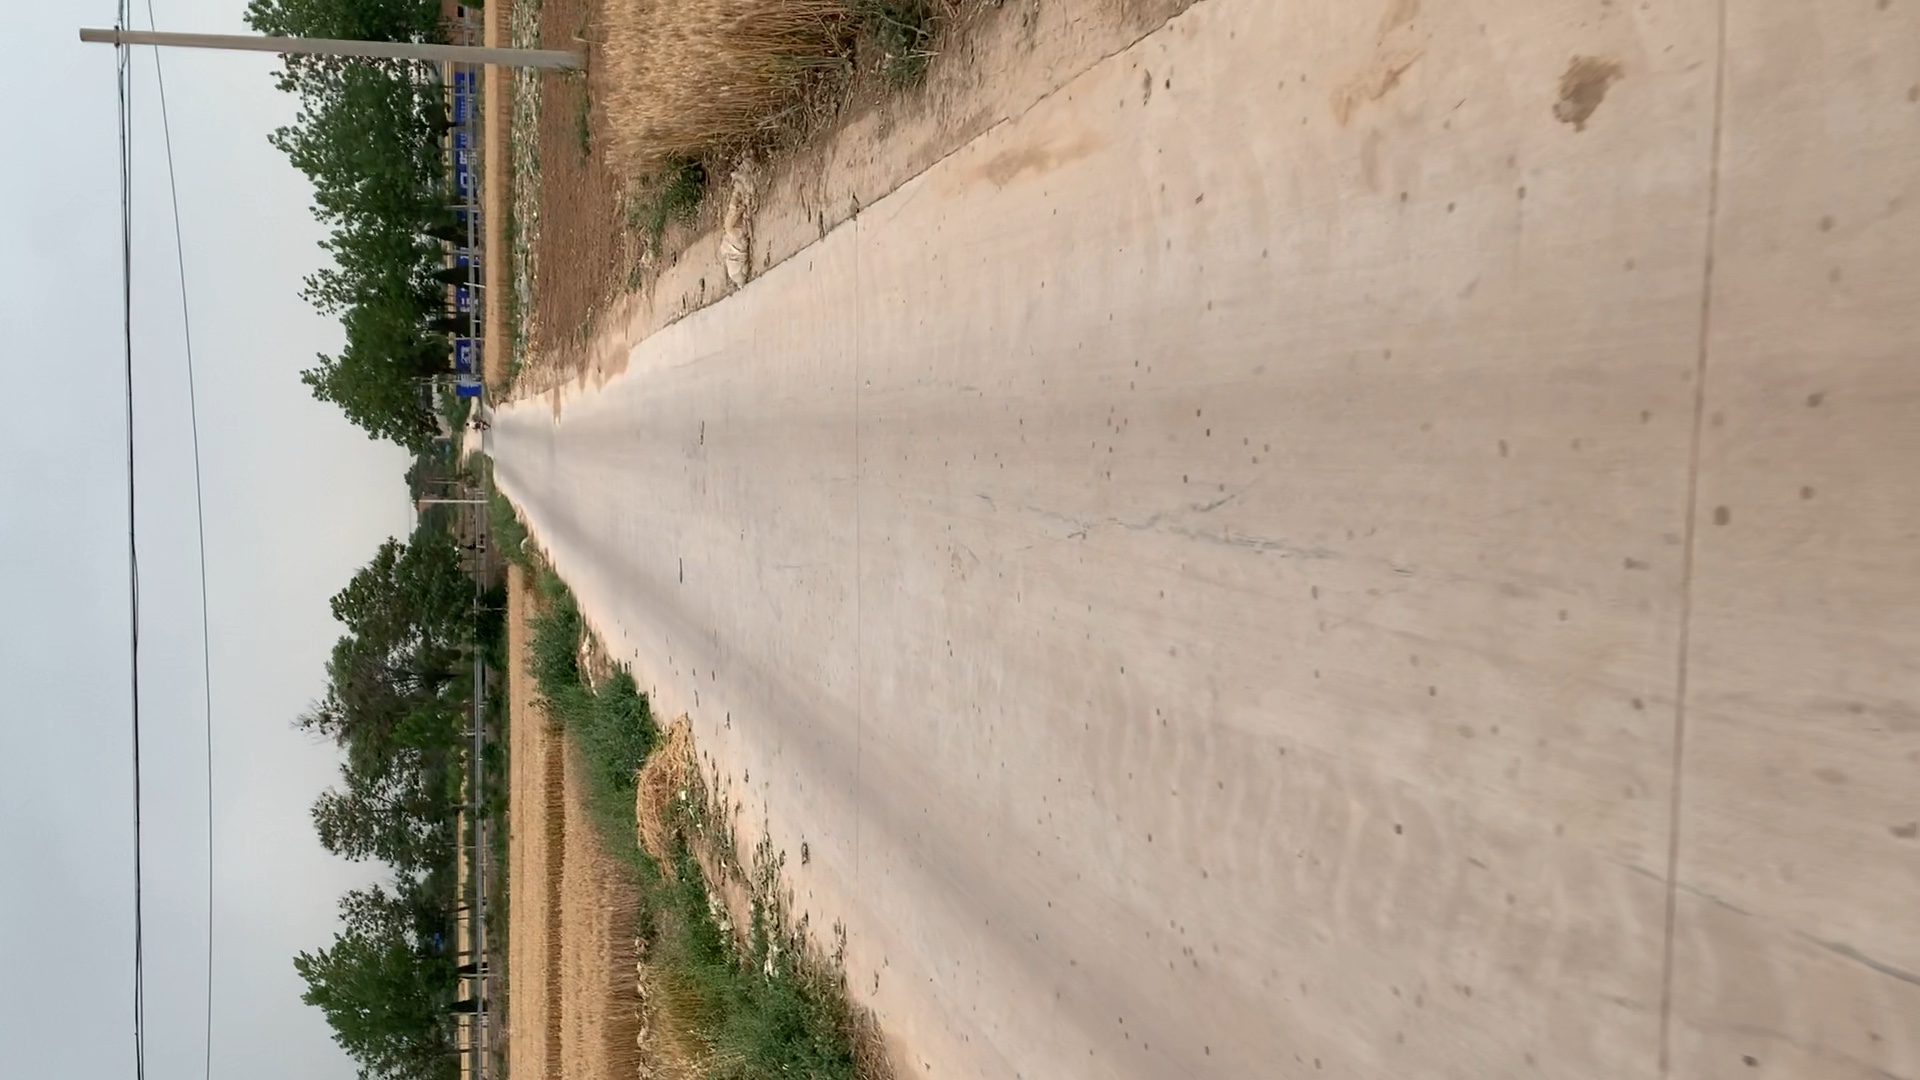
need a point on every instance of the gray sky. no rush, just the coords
(296, 499)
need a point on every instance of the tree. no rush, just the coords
(384, 992)
(411, 593)
(390, 814)
(385, 406)
(368, 20)
(393, 703)
(368, 136)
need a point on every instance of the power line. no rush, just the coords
(124, 88)
(199, 516)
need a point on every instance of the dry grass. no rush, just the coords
(670, 795)
(661, 780)
(678, 79)
(535, 837)
(600, 1013)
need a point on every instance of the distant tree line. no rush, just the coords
(369, 136)
(396, 705)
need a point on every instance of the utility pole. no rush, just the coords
(552, 59)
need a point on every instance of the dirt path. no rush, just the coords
(1347, 539)
(536, 838)
(571, 1009)
(599, 1015)
(585, 252)
(494, 86)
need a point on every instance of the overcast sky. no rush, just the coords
(296, 500)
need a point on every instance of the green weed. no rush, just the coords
(902, 32)
(762, 1010)
(509, 536)
(672, 194)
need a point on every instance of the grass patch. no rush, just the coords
(901, 33)
(761, 1019)
(509, 536)
(673, 193)
(609, 725)
(724, 1003)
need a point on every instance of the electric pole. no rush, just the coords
(552, 59)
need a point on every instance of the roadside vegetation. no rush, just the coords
(725, 996)
(669, 194)
(686, 79)
(685, 90)
(398, 706)
(370, 137)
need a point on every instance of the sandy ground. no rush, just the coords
(572, 1012)
(599, 1012)
(584, 252)
(493, 199)
(536, 840)
(1366, 539)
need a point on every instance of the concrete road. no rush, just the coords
(1366, 539)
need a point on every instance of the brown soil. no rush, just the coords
(599, 1010)
(573, 1013)
(493, 190)
(583, 252)
(535, 837)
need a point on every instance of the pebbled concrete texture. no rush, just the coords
(1371, 539)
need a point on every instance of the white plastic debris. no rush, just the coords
(736, 237)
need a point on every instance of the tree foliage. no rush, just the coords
(369, 20)
(368, 136)
(386, 989)
(395, 705)
(391, 815)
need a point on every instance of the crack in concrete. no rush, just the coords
(1858, 957)
(1081, 528)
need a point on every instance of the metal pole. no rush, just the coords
(375, 50)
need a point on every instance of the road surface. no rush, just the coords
(1354, 539)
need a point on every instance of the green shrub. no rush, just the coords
(671, 194)
(763, 1011)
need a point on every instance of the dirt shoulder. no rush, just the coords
(535, 835)
(493, 200)
(673, 955)
(595, 301)
(572, 1012)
